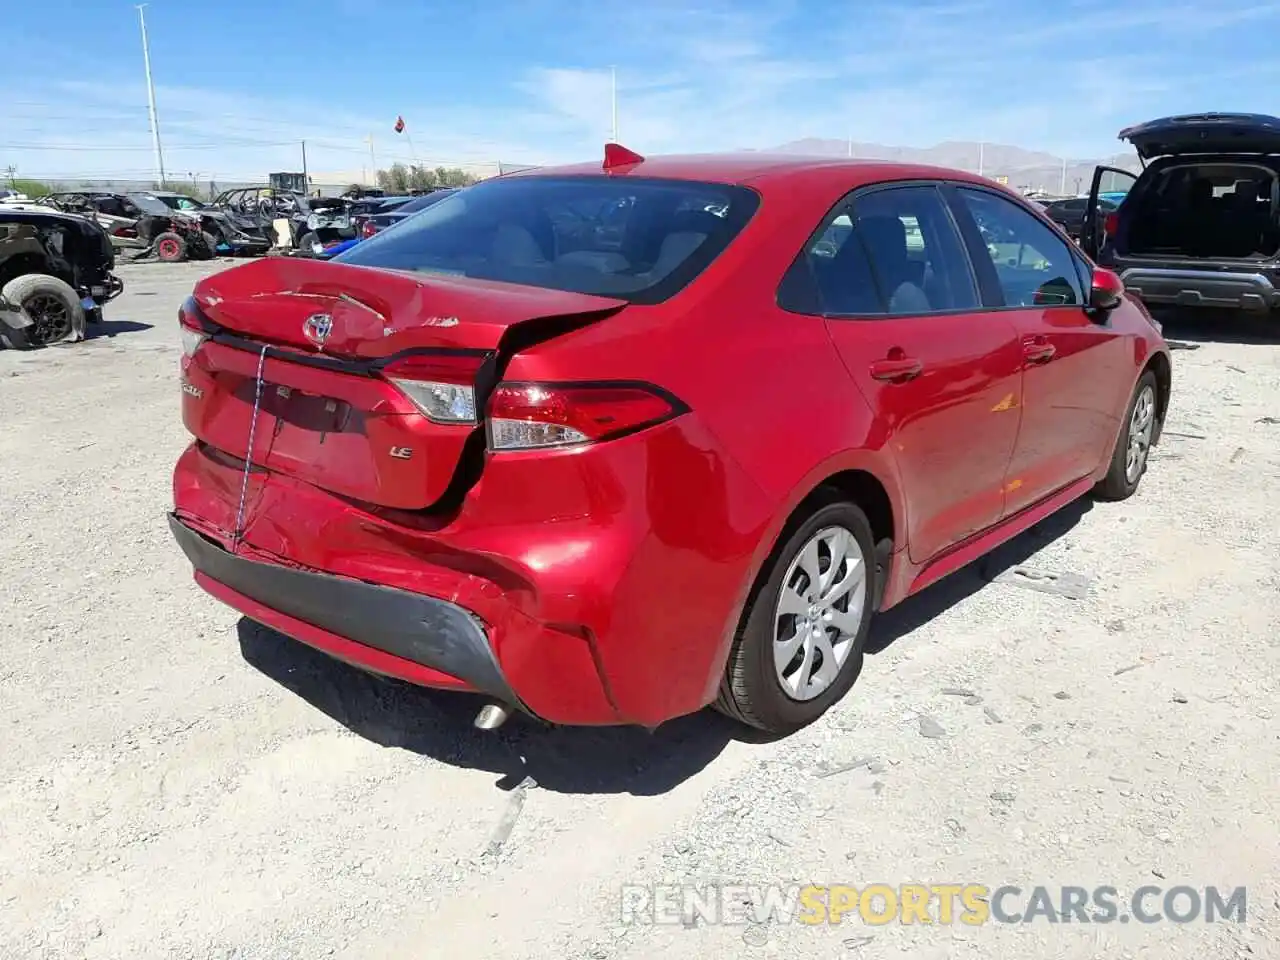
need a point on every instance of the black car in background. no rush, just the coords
(362, 209)
(400, 209)
(1069, 214)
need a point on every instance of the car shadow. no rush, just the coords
(579, 760)
(113, 328)
(916, 611)
(438, 724)
(1184, 326)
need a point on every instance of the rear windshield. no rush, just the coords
(635, 239)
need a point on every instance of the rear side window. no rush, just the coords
(1034, 267)
(839, 274)
(635, 239)
(916, 256)
(889, 252)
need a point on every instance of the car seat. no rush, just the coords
(1271, 217)
(515, 245)
(685, 232)
(1245, 221)
(1198, 230)
(886, 240)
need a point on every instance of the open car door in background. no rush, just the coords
(1109, 183)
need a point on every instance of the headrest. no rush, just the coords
(884, 233)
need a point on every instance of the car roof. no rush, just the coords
(764, 169)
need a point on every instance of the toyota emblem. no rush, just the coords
(317, 328)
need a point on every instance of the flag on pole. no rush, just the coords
(399, 128)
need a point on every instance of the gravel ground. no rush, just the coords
(177, 783)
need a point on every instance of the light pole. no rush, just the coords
(613, 101)
(151, 93)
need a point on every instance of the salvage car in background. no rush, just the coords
(223, 232)
(497, 459)
(138, 222)
(401, 208)
(55, 276)
(294, 221)
(1200, 225)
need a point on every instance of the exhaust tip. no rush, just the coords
(491, 716)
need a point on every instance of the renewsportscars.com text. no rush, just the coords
(971, 904)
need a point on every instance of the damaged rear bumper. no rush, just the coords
(353, 620)
(110, 288)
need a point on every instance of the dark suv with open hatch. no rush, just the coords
(1200, 225)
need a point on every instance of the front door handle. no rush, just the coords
(896, 369)
(1038, 350)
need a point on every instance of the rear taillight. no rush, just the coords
(191, 328)
(525, 416)
(442, 386)
(368, 229)
(1111, 224)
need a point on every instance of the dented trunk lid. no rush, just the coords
(376, 313)
(325, 337)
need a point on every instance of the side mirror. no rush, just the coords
(1107, 290)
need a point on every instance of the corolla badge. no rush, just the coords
(317, 328)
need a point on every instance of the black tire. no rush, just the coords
(170, 247)
(54, 309)
(210, 245)
(751, 691)
(1120, 483)
(306, 240)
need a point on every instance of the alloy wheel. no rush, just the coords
(1141, 426)
(819, 612)
(50, 318)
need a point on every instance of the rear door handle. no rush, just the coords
(904, 368)
(1038, 350)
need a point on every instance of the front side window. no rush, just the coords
(1033, 266)
(635, 239)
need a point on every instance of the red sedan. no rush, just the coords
(609, 444)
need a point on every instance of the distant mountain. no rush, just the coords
(1026, 169)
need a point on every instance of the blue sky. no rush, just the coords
(240, 83)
